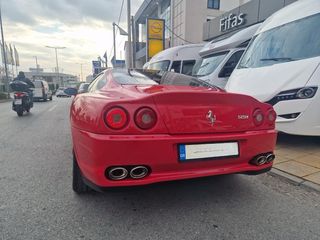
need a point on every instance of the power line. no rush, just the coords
(178, 35)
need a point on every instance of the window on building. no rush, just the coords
(214, 4)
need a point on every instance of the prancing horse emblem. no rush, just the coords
(211, 117)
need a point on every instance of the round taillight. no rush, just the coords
(116, 118)
(271, 116)
(145, 118)
(258, 117)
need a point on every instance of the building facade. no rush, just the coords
(242, 16)
(183, 21)
(52, 78)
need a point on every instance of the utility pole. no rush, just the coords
(134, 42)
(37, 66)
(5, 54)
(114, 43)
(122, 32)
(129, 33)
(81, 72)
(57, 64)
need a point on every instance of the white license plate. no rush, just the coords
(18, 101)
(208, 150)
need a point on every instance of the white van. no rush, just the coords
(180, 59)
(41, 91)
(281, 66)
(221, 56)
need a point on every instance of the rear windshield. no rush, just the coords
(131, 78)
(38, 84)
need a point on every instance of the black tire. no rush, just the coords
(78, 184)
(50, 98)
(20, 113)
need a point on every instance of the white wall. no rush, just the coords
(190, 15)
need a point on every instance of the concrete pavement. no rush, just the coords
(299, 156)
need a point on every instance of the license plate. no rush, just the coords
(208, 150)
(18, 101)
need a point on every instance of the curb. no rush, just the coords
(294, 179)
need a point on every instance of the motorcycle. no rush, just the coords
(22, 102)
(23, 97)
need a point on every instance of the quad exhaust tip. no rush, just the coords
(270, 157)
(139, 172)
(120, 173)
(117, 173)
(263, 159)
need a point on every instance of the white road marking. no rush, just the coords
(52, 108)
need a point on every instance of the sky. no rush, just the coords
(83, 27)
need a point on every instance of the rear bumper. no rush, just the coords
(95, 153)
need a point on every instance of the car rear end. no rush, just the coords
(39, 91)
(169, 134)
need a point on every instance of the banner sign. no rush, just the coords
(155, 36)
(96, 67)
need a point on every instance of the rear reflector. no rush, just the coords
(116, 118)
(145, 118)
(258, 117)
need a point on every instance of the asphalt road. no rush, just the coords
(37, 202)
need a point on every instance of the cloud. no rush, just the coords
(83, 27)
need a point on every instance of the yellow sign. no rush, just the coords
(155, 36)
(155, 28)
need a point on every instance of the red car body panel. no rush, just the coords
(181, 119)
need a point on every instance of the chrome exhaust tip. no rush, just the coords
(117, 173)
(139, 172)
(270, 157)
(259, 160)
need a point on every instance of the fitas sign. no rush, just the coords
(231, 21)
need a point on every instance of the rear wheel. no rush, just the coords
(50, 98)
(78, 184)
(20, 113)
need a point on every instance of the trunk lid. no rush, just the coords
(187, 112)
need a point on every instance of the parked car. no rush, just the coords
(83, 87)
(129, 130)
(41, 91)
(282, 67)
(220, 57)
(180, 59)
(61, 92)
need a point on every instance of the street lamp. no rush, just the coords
(81, 80)
(4, 53)
(122, 32)
(37, 66)
(56, 48)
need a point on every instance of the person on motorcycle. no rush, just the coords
(21, 77)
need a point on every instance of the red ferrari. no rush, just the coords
(131, 130)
